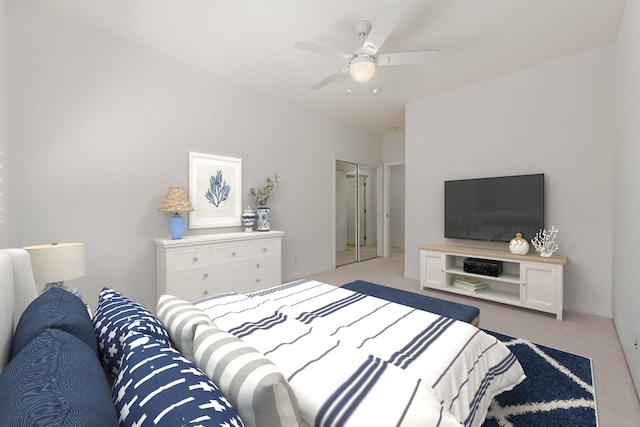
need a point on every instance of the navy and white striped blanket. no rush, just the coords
(359, 360)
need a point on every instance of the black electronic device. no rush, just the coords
(486, 267)
(494, 209)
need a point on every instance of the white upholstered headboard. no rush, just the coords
(18, 289)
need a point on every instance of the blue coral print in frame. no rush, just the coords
(218, 190)
(215, 190)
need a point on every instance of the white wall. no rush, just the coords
(626, 203)
(101, 128)
(393, 147)
(4, 145)
(396, 206)
(556, 118)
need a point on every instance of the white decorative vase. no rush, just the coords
(264, 218)
(519, 245)
(248, 219)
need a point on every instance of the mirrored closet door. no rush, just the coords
(356, 212)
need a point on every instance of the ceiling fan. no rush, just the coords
(363, 62)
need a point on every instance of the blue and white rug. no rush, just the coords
(558, 390)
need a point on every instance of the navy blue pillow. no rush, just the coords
(55, 309)
(158, 386)
(56, 380)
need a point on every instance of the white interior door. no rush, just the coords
(341, 211)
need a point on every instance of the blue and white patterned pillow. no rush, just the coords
(117, 315)
(158, 386)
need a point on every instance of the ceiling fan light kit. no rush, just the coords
(362, 68)
(362, 64)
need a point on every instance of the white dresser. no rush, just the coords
(195, 267)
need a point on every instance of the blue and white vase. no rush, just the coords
(248, 219)
(264, 218)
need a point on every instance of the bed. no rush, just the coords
(303, 353)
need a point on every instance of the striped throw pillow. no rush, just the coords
(180, 317)
(252, 383)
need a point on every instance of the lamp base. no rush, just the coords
(176, 226)
(62, 285)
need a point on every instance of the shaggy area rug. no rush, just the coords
(558, 390)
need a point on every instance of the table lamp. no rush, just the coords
(176, 201)
(54, 263)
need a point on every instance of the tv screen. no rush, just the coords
(494, 209)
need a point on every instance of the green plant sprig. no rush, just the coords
(262, 194)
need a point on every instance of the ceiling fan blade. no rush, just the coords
(322, 50)
(387, 20)
(407, 58)
(329, 79)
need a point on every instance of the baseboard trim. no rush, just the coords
(629, 350)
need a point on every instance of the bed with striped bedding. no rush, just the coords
(353, 359)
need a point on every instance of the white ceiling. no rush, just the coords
(250, 41)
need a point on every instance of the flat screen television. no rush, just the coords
(494, 209)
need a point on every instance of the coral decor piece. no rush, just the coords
(545, 241)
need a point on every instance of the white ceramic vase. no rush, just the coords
(519, 245)
(248, 219)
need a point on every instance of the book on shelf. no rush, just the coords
(470, 285)
(468, 289)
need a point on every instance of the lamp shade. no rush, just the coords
(57, 262)
(362, 68)
(176, 200)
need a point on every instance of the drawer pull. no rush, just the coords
(258, 265)
(258, 280)
(195, 259)
(233, 254)
(206, 292)
(205, 275)
(264, 249)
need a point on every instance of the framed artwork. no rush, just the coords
(215, 191)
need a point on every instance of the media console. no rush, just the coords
(528, 281)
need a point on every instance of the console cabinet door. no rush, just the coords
(432, 266)
(539, 286)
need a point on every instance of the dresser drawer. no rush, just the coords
(196, 283)
(258, 273)
(232, 253)
(269, 247)
(190, 259)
